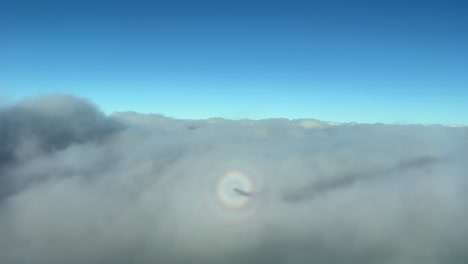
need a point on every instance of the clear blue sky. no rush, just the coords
(364, 61)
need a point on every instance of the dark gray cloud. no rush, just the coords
(77, 186)
(41, 127)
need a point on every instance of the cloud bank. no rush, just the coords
(78, 186)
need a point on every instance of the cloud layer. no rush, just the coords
(77, 186)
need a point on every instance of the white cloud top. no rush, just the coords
(77, 186)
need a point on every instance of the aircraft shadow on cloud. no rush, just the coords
(241, 192)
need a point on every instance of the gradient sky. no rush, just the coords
(363, 61)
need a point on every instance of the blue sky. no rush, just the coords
(364, 61)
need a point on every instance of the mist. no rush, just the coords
(80, 186)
